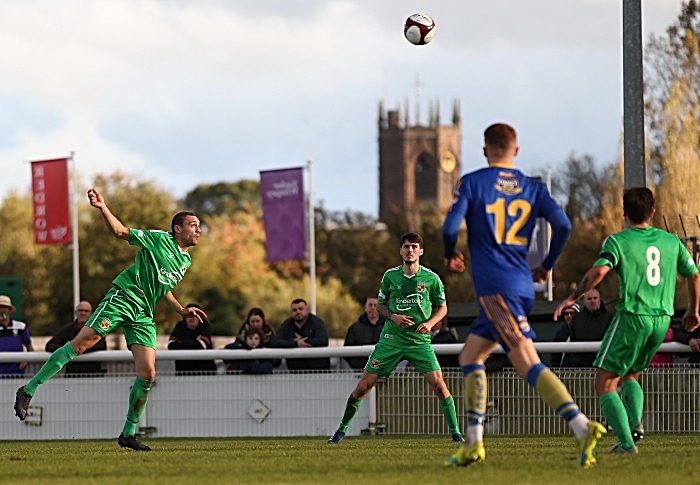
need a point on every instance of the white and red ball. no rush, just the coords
(419, 28)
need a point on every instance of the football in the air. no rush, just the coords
(419, 28)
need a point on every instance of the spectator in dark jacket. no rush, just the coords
(441, 333)
(590, 325)
(303, 330)
(68, 332)
(191, 334)
(681, 335)
(256, 318)
(365, 331)
(564, 335)
(253, 340)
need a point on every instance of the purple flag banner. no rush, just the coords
(535, 252)
(283, 213)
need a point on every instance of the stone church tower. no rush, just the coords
(418, 165)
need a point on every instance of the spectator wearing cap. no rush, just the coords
(68, 332)
(14, 337)
(564, 335)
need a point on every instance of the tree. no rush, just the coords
(672, 85)
(46, 292)
(673, 112)
(224, 198)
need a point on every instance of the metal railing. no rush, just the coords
(312, 403)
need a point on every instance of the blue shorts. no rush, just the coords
(503, 319)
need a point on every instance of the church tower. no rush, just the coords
(419, 166)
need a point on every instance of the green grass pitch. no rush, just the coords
(664, 459)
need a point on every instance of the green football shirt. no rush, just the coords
(158, 267)
(646, 261)
(412, 296)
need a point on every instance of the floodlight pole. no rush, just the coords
(633, 94)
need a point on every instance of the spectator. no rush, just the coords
(191, 334)
(663, 360)
(14, 335)
(365, 331)
(252, 340)
(589, 325)
(68, 332)
(303, 329)
(564, 335)
(441, 333)
(256, 318)
(689, 338)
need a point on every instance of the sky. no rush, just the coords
(188, 92)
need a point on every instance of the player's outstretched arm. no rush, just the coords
(691, 319)
(114, 225)
(590, 280)
(195, 312)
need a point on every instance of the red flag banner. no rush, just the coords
(50, 196)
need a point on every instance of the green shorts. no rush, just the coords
(630, 342)
(385, 358)
(117, 310)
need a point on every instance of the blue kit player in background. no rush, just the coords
(501, 207)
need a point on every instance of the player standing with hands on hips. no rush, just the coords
(646, 260)
(412, 299)
(501, 206)
(160, 264)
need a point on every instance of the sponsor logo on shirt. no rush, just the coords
(388, 335)
(170, 278)
(508, 184)
(403, 304)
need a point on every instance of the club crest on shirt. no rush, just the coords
(374, 364)
(420, 286)
(507, 184)
(105, 323)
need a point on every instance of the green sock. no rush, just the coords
(633, 399)
(58, 359)
(448, 410)
(137, 403)
(615, 413)
(351, 408)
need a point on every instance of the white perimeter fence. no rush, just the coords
(311, 403)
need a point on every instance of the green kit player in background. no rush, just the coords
(646, 260)
(412, 299)
(160, 264)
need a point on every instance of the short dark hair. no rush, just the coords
(638, 204)
(299, 300)
(254, 331)
(411, 237)
(500, 137)
(179, 219)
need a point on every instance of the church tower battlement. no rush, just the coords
(419, 166)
